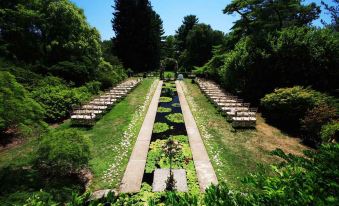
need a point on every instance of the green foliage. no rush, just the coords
(165, 99)
(51, 34)
(138, 30)
(181, 34)
(16, 107)
(63, 153)
(272, 15)
(330, 132)
(110, 75)
(221, 195)
(169, 64)
(160, 127)
(199, 44)
(287, 106)
(164, 110)
(186, 199)
(303, 181)
(168, 49)
(313, 121)
(57, 98)
(175, 117)
(293, 56)
(176, 105)
(40, 199)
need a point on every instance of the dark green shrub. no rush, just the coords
(63, 153)
(313, 121)
(294, 56)
(285, 107)
(110, 75)
(16, 107)
(57, 98)
(330, 132)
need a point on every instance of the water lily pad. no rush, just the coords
(176, 105)
(175, 117)
(165, 99)
(164, 110)
(160, 127)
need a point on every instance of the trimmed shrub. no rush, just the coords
(330, 132)
(285, 107)
(63, 153)
(16, 107)
(313, 121)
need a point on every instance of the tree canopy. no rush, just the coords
(138, 30)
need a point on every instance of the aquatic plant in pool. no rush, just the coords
(175, 117)
(160, 127)
(164, 109)
(175, 105)
(165, 99)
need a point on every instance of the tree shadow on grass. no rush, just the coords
(19, 183)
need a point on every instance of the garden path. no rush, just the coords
(131, 182)
(205, 172)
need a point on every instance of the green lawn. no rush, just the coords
(235, 153)
(112, 139)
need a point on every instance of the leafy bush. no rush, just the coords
(304, 181)
(330, 132)
(313, 121)
(57, 98)
(16, 107)
(293, 56)
(63, 153)
(287, 106)
(110, 75)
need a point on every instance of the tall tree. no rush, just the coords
(333, 10)
(138, 31)
(200, 42)
(258, 16)
(181, 34)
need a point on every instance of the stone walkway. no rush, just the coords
(131, 182)
(203, 166)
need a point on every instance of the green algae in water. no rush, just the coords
(160, 127)
(176, 105)
(165, 99)
(175, 117)
(164, 109)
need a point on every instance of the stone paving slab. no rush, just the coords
(161, 176)
(131, 182)
(205, 172)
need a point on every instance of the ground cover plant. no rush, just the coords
(157, 158)
(164, 110)
(165, 99)
(175, 117)
(160, 127)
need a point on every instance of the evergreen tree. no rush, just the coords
(181, 34)
(262, 16)
(138, 31)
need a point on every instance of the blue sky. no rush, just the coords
(172, 12)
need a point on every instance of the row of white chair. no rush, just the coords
(90, 112)
(238, 112)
